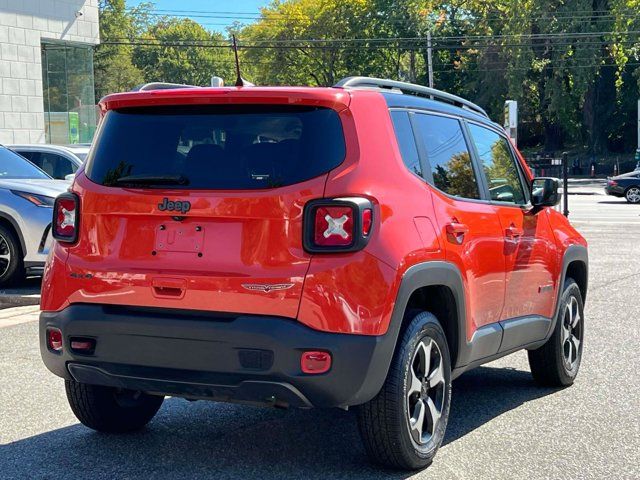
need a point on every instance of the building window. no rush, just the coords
(69, 95)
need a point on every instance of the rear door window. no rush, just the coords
(218, 147)
(448, 155)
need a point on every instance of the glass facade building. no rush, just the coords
(68, 92)
(46, 71)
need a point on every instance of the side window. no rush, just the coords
(406, 141)
(448, 155)
(33, 157)
(55, 165)
(499, 166)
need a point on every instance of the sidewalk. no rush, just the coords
(17, 315)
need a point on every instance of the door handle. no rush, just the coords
(456, 231)
(513, 232)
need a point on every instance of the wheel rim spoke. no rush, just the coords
(575, 343)
(565, 334)
(436, 377)
(416, 384)
(569, 355)
(417, 421)
(434, 415)
(424, 352)
(575, 313)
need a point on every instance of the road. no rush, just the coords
(502, 426)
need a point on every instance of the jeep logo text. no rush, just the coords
(177, 206)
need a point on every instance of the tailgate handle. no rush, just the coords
(169, 287)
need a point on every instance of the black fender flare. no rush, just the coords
(15, 226)
(573, 253)
(427, 274)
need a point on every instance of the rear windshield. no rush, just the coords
(216, 147)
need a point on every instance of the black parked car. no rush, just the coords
(626, 185)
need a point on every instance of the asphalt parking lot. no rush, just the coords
(501, 426)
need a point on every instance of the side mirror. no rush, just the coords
(544, 192)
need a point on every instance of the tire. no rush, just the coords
(11, 262)
(556, 363)
(632, 195)
(386, 421)
(112, 410)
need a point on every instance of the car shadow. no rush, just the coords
(212, 440)
(613, 202)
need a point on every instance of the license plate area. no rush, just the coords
(178, 237)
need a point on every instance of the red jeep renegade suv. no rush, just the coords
(355, 246)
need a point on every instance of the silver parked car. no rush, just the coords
(26, 200)
(57, 161)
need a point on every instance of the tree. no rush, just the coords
(113, 68)
(182, 51)
(333, 52)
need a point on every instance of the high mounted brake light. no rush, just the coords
(337, 225)
(66, 218)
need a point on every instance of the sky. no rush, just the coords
(209, 7)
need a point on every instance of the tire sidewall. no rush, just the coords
(15, 264)
(571, 289)
(423, 325)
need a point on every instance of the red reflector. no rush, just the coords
(367, 221)
(315, 362)
(82, 345)
(54, 339)
(333, 226)
(65, 218)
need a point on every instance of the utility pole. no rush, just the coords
(637, 156)
(565, 184)
(430, 61)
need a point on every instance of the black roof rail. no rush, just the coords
(160, 86)
(411, 88)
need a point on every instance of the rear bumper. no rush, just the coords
(614, 191)
(234, 358)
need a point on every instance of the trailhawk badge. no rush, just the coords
(266, 287)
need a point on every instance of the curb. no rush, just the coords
(14, 300)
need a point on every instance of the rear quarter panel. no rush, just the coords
(356, 293)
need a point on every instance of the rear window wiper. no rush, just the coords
(152, 180)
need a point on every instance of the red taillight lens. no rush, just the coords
(333, 226)
(65, 218)
(54, 339)
(315, 362)
(367, 221)
(612, 183)
(337, 225)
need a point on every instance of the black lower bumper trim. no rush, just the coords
(242, 358)
(267, 393)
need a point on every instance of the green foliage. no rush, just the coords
(163, 57)
(572, 89)
(113, 68)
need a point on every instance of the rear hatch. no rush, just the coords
(200, 206)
